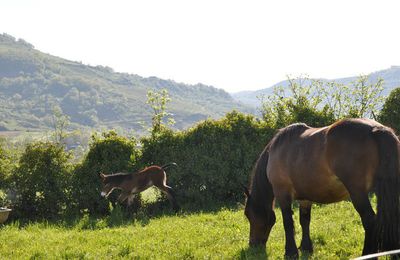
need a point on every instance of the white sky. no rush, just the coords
(234, 45)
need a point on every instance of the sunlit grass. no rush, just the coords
(335, 229)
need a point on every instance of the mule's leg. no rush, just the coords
(286, 208)
(123, 196)
(305, 218)
(170, 195)
(363, 206)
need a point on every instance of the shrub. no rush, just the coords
(5, 170)
(41, 181)
(390, 113)
(108, 153)
(215, 157)
(3, 166)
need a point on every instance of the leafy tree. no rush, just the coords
(41, 180)
(317, 102)
(60, 123)
(158, 102)
(390, 113)
(302, 102)
(365, 97)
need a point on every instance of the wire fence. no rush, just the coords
(387, 253)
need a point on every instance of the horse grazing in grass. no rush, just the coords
(347, 159)
(132, 183)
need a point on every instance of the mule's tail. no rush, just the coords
(166, 166)
(387, 190)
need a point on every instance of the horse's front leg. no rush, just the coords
(285, 203)
(305, 218)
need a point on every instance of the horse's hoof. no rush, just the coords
(306, 248)
(292, 255)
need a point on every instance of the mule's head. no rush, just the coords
(261, 218)
(108, 185)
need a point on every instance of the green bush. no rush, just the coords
(215, 157)
(41, 181)
(4, 174)
(390, 113)
(300, 110)
(6, 166)
(108, 153)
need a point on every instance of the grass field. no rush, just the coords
(223, 234)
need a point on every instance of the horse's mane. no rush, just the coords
(260, 188)
(288, 132)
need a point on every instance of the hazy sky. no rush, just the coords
(234, 45)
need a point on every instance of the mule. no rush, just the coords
(132, 183)
(346, 160)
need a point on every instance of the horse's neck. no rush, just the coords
(261, 191)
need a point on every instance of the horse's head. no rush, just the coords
(108, 186)
(261, 220)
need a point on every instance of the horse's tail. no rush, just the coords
(166, 166)
(387, 190)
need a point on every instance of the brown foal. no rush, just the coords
(132, 183)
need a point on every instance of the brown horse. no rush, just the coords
(347, 159)
(132, 183)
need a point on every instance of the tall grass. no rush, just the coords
(335, 230)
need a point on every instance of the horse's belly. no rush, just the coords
(329, 190)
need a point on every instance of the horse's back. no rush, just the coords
(318, 164)
(297, 165)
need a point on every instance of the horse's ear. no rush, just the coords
(102, 176)
(246, 191)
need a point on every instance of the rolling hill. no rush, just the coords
(32, 83)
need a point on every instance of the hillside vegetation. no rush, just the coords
(33, 83)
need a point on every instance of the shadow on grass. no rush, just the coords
(123, 216)
(261, 253)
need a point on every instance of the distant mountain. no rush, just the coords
(390, 76)
(32, 83)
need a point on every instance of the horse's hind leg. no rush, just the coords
(305, 218)
(363, 206)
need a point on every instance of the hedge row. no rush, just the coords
(214, 158)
